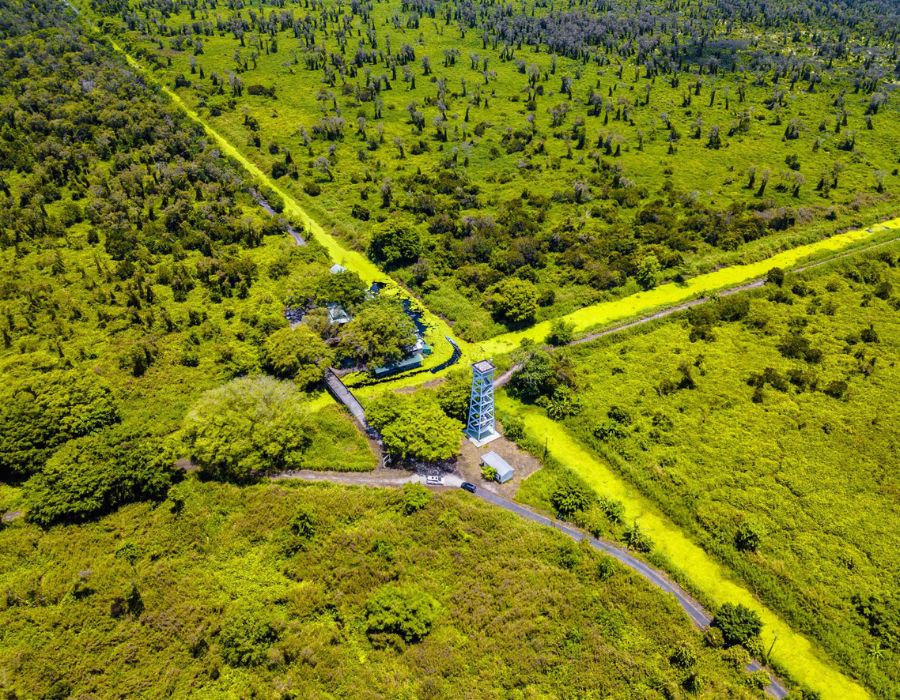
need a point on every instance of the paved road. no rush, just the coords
(263, 202)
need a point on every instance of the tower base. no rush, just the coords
(484, 440)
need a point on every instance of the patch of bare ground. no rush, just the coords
(469, 465)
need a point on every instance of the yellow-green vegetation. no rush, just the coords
(670, 294)
(793, 652)
(465, 149)
(315, 590)
(763, 427)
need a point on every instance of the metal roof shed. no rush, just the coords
(501, 466)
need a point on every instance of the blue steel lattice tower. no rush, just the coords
(480, 427)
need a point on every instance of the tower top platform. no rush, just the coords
(484, 366)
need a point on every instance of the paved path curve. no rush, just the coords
(393, 478)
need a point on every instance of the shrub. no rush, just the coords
(692, 683)
(683, 657)
(513, 301)
(606, 569)
(612, 509)
(536, 378)
(94, 475)
(513, 428)
(248, 426)
(488, 473)
(836, 389)
(41, 414)
(413, 498)
(747, 538)
(245, 639)
(400, 611)
(569, 556)
(395, 245)
(303, 525)
(570, 496)
(563, 403)
(737, 623)
(637, 539)
(561, 333)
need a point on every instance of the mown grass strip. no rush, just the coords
(792, 651)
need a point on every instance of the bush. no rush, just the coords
(747, 538)
(561, 333)
(488, 473)
(303, 525)
(606, 568)
(395, 245)
(299, 354)
(245, 639)
(38, 416)
(513, 428)
(738, 624)
(637, 539)
(570, 496)
(403, 612)
(248, 426)
(563, 403)
(683, 657)
(536, 378)
(612, 509)
(513, 301)
(94, 475)
(413, 498)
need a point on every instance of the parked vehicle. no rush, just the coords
(466, 486)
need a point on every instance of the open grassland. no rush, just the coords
(457, 160)
(278, 590)
(771, 440)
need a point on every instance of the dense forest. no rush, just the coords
(764, 425)
(137, 273)
(511, 163)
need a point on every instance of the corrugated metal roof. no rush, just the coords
(492, 459)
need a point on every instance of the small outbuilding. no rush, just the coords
(337, 314)
(498, 464)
